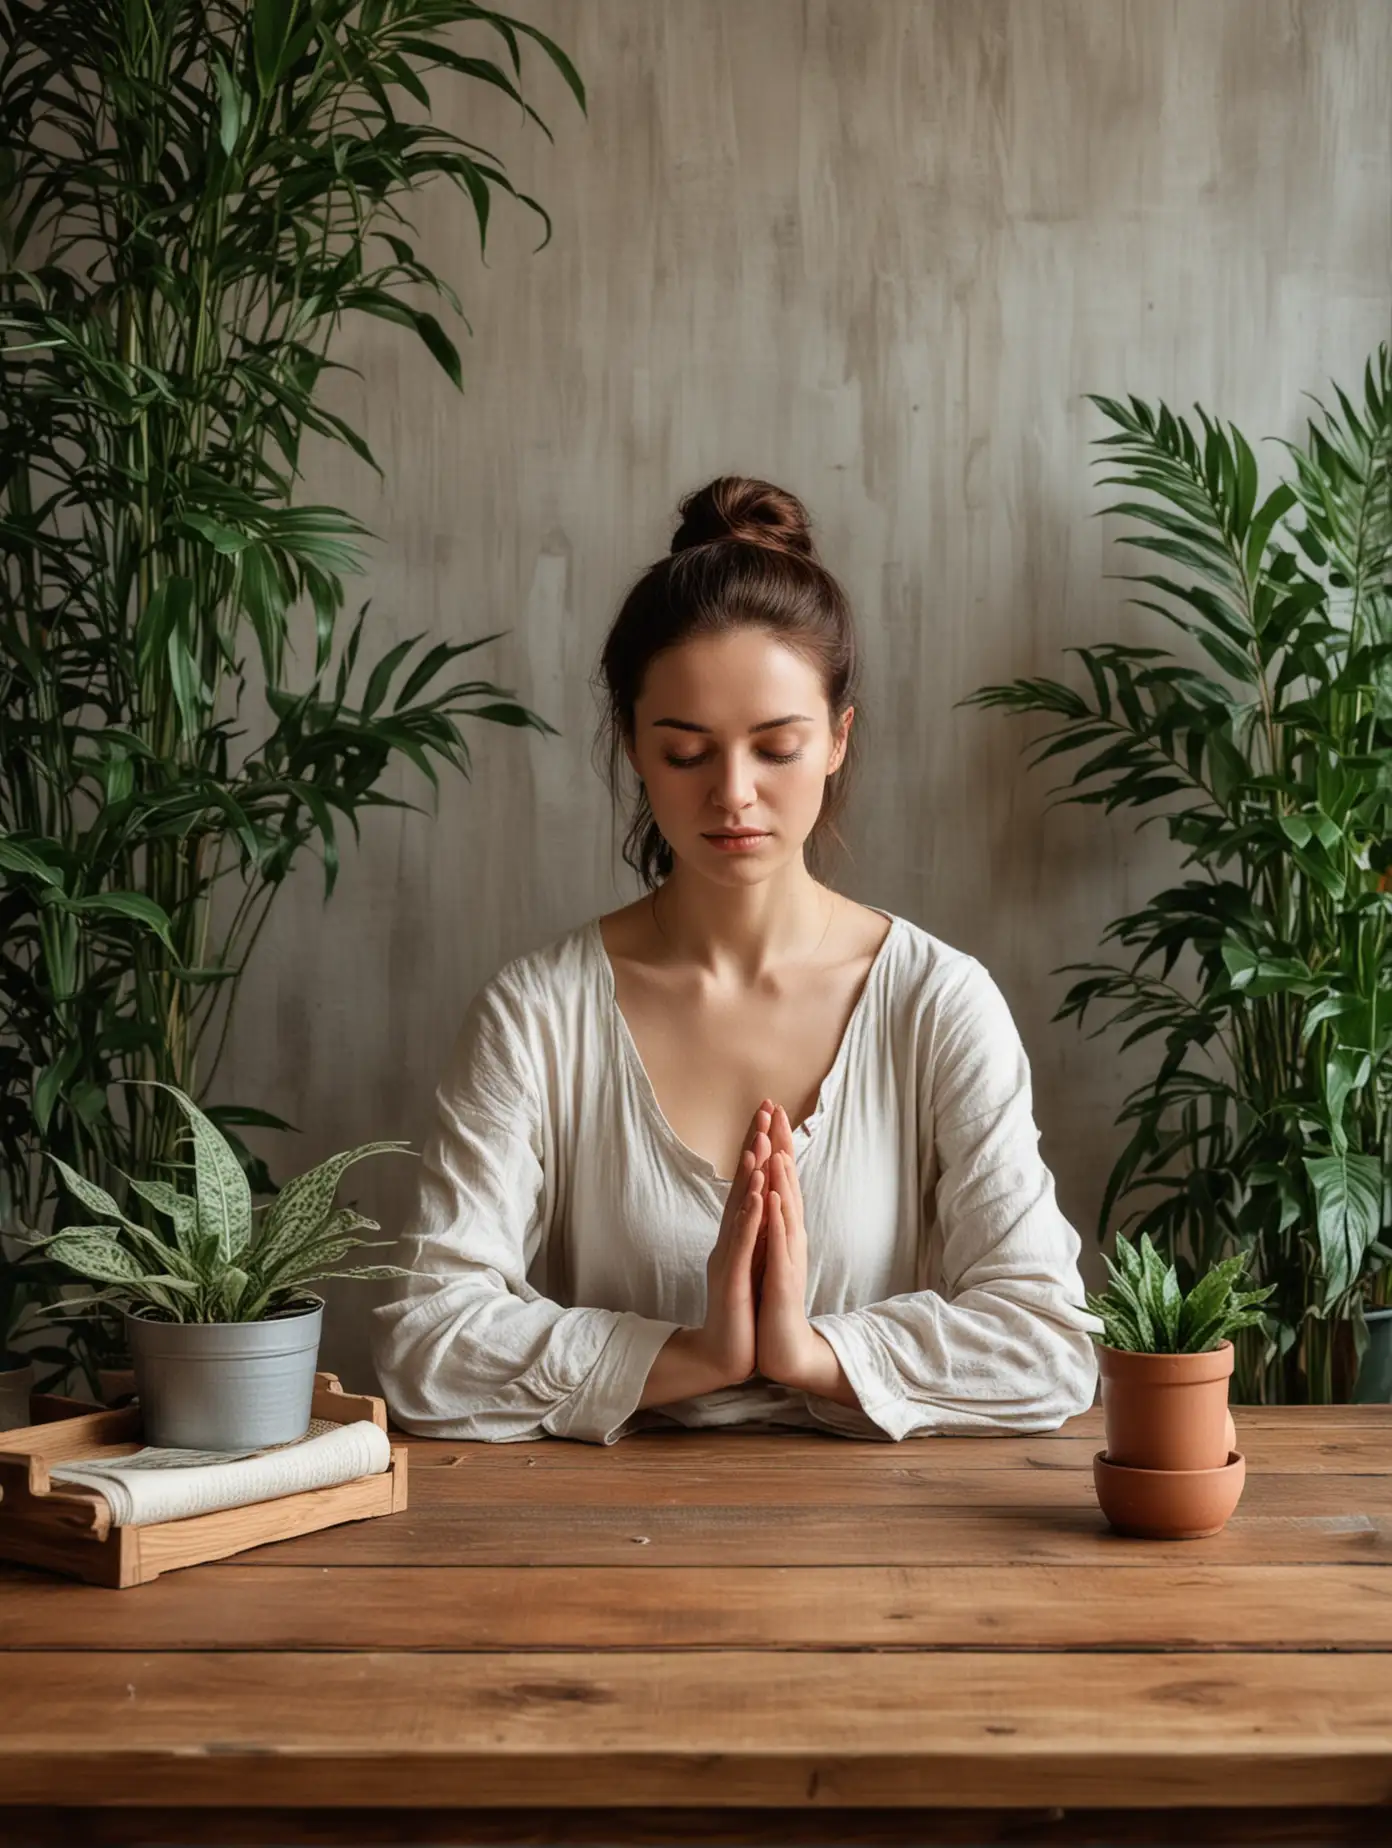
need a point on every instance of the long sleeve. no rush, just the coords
(470, 1349)
(1005, 1346)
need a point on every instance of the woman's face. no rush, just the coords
(732, 732)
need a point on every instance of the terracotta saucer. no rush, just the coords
(1168, 1504)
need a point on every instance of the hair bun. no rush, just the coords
(753, 512)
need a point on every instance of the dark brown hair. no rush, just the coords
(742, 557)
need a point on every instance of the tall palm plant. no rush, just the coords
(195, 193)
(1267, 1127)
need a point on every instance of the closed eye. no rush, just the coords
(772, 757)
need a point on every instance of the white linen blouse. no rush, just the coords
(563, 1227)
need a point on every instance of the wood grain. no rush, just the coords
(1015, 1490)
(646, 1537)
(705, 1727)
(1332, 1445)
(1196, 1607)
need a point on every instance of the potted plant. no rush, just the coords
(1170, 1467)
(27, 1366)
(194, 201)
(1262, 974)
(223, 1328)
(17, 1371)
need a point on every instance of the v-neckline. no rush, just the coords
(830, 1085)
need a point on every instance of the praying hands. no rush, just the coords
(788, 1349)
(756, 1276)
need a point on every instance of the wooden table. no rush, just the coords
(743, 1637)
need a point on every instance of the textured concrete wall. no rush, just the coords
(877, 251)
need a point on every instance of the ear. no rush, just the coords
(840, 745)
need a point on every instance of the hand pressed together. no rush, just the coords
(756, 1275)
(786, 1343)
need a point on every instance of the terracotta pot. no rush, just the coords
(1166, 1411)
(1168, 1504)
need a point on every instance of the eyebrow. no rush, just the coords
(792, 718)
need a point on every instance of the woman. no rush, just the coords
(607, 1239)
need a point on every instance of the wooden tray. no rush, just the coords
(69, 1529)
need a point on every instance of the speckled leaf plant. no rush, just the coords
(1144, 1310)
(221, 1264)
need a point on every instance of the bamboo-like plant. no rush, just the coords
(1267, 1128)
(195, 193)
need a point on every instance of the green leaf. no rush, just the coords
(48, 1085)
(304, 1203)
(222, 538)
(1348, 1206)
(94, 1251)
(17, 858)
(180, 1208)
(316, 1259)
(224, 1199)
(232, 105)
(125, 905)
(1206, 1299)
(380, 678)
(375, 1271)
(192, 695)
(232, 1288)
(166, 613)
(96, 1199)
(272, 22)
(439, 344)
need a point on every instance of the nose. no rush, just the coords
(733, 790)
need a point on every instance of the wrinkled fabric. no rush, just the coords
(562, 1227)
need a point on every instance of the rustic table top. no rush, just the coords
(770, 1623)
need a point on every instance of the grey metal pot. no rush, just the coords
(17, 1376)
(1374, 1383)
(227, 1385)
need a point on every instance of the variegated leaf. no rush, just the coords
(233, 1290)
(206, 1260)
(377, 1270)
(93, 1252)
(302, 1205)
(338, 1229)
(180, 1208)
(224, 1198)
(153, 1250)
(96, 1199)
(315, 1260)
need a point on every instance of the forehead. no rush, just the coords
(737, 678)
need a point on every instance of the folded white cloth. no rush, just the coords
(169, 1485)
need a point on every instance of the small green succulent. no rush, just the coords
(1145, 1312)
(221, 1265)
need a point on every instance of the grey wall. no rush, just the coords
(877, 251)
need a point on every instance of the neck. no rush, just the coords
(741, 933)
